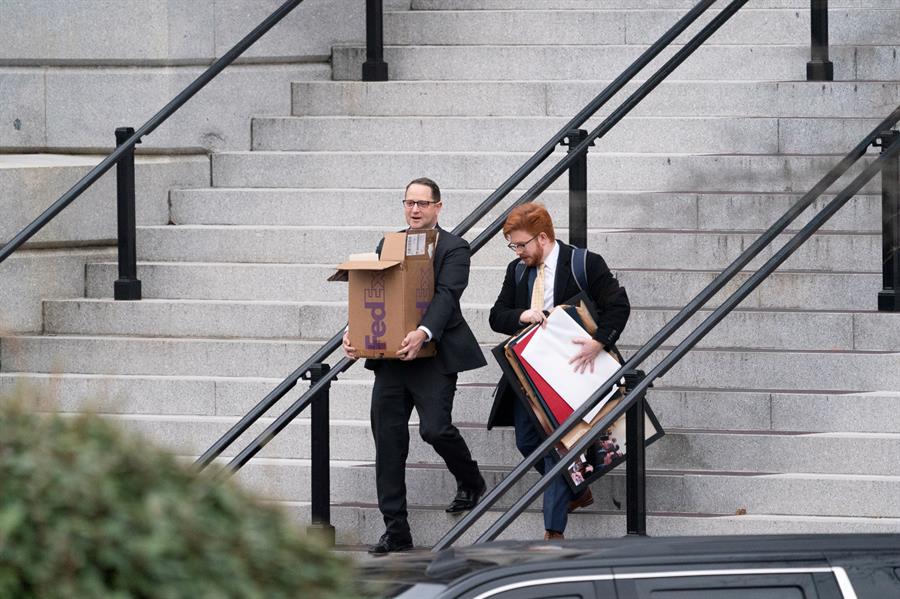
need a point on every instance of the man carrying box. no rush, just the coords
(428, 384)
(544, 275)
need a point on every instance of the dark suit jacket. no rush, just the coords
(608, 296)
(457, 348)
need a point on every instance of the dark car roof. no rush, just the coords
(449, 565)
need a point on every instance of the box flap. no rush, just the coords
(394, 247)
(346, 267)
(368, 264)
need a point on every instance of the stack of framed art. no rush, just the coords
(535, 362)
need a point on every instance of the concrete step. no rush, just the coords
(30, 183)
(683, 135)
(860, 454)
(629, 249)
(358, 525)
(77, 107)
(593, 26)
(629, 4)
(667, 491)
(483, 170)
(557, 62)
(702, 368)
(646, 288)
(29, 276)
(755, 329)
(614, 210)
(874, 99)
(873, 412)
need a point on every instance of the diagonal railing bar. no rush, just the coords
(155, 121)
(670, 327)
(691, 340)
(579, 119)
(488, 204)
(270, 400)
(610, 121)
(286, 417)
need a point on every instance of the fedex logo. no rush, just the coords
(374, 303)
(423, 292)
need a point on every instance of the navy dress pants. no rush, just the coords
(558, 494)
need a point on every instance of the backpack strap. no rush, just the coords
(579, 267)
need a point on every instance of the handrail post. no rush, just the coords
(819, 68)
(635, 474)
(127, 286)
(577, 189)
(320, 475)
(374, 69)
(889, 297)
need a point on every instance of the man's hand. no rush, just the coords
(349, 350)
(533, 316)
(590, 349)
(411, 344)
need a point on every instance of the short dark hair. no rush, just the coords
(435, 190)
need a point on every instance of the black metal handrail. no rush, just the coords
(155, 121)
(486, 206)
(673, 325)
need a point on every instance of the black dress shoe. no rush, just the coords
(389, 543)
(466, 499)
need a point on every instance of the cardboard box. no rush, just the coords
(389, 296)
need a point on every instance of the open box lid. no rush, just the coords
(346, 267)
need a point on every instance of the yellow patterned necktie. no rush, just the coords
(537, 292)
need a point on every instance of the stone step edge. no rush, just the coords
(368, 383)
(650, 514)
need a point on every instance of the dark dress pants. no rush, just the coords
(558, 494)
(400, 386)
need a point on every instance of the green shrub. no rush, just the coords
(87, 511)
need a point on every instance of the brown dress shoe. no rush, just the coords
(583, 500)
(552, 535)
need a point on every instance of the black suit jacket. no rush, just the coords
(608, 296)
(457, 348)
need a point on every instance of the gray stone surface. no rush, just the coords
(30, 276)
(85, 105)
(515, 134)
(878, 63)
(588, 26)
(677, 450)
(705, 368)
(661, 210)
(625, 4)
(276, 320)
(755, 25)
(652, 289)
(565, 98)
(606, 171)
(358, 525)
(531, 63)
(100, 30)
(30, 183)
(799, 494)
(844, 291)
(623, 248)
(22, 118)
(418, 27)
(171, 31)
(108, 394)
(174, 318)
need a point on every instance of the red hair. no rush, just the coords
(532, 218)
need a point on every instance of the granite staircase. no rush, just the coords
(784, 419)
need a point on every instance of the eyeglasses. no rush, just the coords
(518, 247)
(419, 203)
